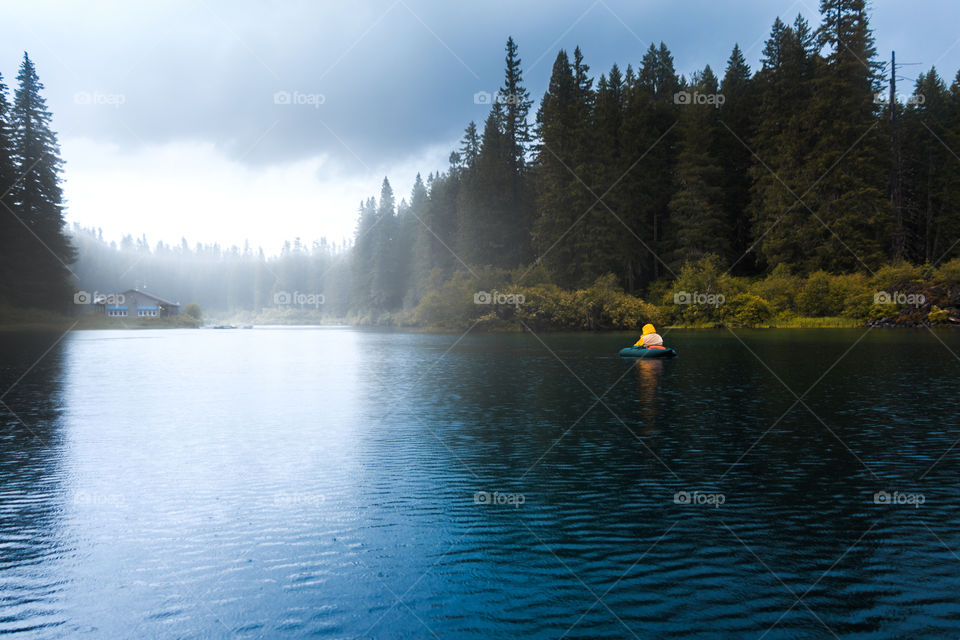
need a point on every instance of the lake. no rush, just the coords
(350, 483)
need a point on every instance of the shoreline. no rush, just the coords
(18, 320)
(66, 325)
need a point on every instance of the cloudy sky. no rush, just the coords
(225, 120)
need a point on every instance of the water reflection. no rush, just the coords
(649, 374)
(31, 480)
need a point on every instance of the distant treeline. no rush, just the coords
(34, 251)
(220, 280)
(638, 172)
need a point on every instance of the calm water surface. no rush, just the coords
(341, 483)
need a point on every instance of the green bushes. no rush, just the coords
(780, 289)
(747, 310)
(938, 315)
(703, 294)
(699, 292)
(948, 273)
(490, 301)
(816, 299)
(863, 306)
(603, 305)
(828, 295)
(193, 310)
(451, 306)
(894, 275)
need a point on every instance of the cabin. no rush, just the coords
(134, 303)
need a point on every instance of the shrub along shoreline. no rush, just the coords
(702, 295)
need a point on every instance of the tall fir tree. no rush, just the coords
(470, 146)
(485, 233)
(602, 246)
(516, 105)
(41, 275)
(697, 223)
(561, 199)
(782, 228)
(416, 268)
(642, 196)
(363, 257)
(738, 125)
(951, 189)
(8, 223)
(384, 286)
(496, 208)
(926, 219)
(848, 164)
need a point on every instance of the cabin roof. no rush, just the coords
(150, 295)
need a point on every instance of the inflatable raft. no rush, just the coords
(638, 352)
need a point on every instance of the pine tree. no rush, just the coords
(403, 243)
(782, 229)
(641, 198)
(560, 201)
(485, 233)
(37, 200)
(849, 157)
(930, 223)
(737, 128)
(921, 165)
(470, 146)
(516, 105)
(411, 223)
(384, 287)
(363, 256)
(8, 223)
(495, 210)
(603, 249)
(438, 236)
(697, 223)
(950, 233)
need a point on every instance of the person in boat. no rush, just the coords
(650, 338)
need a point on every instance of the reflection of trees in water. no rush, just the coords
(30, 452)
(31, 392)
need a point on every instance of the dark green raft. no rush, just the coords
(637, 352)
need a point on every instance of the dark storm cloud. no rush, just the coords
(366, 83)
